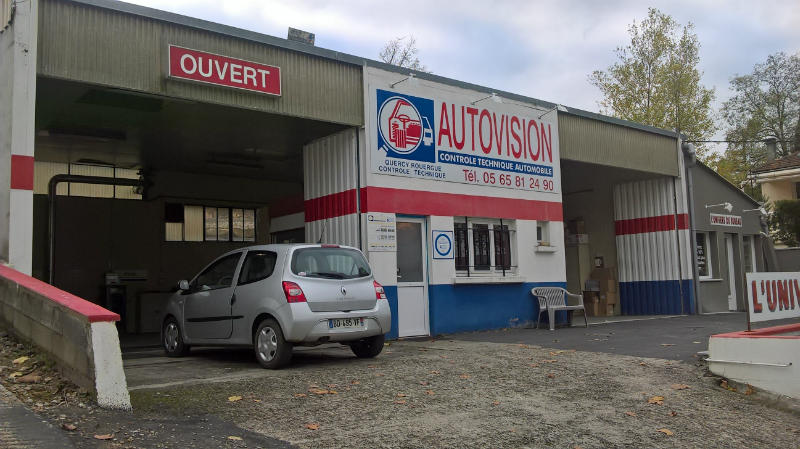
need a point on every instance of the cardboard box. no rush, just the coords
(609, 310)
(609, 298)
(592, 285)
(591, 302)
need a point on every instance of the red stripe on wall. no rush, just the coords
(21, 172)
(287, 206)
(330, 206)
(651, 224)
(414, 202)
(401, 201)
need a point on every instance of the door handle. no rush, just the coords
(233, 299)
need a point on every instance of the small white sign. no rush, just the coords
(442, 244)
(726, 220)
(381, 232)
(773, 296)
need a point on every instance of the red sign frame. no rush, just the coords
(219, 70)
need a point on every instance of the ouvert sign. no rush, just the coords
(203, 67)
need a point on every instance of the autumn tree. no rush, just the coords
(766, 104)
(402, 52)
(656, 80)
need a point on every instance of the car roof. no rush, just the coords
(282, 247)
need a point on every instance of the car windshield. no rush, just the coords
(329, 263)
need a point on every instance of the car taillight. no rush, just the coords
(293, 292)
(379, 293)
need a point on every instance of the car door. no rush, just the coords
(207, 308)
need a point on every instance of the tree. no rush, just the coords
(402, 52)
(656, 80)
(785, 222)
(766, 103)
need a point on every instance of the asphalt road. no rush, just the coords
(673, 338)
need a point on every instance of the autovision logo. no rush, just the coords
(404, 126)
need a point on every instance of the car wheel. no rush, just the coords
(173, 339)
(272, 350)
(368, 347)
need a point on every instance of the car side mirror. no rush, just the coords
(183, 285)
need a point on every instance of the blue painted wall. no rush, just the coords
(465, 308)
(656, 297)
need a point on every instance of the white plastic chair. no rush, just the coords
(552, 299)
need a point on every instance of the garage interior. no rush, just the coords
(211, 178)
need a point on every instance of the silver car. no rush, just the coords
(273, 297)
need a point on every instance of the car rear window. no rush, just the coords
(329, 263)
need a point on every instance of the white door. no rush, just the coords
(731, 272)
(412, 278)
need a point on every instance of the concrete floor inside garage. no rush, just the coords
(185, 152)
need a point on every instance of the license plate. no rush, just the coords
(346, 323)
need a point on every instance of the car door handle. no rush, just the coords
(233, 299)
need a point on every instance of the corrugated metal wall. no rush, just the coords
(101, 46)
(597, 142)
(653, 251)
(5, 13)
(330, 183)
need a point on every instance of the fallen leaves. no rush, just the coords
(312, 426)
(68, 427)
(464, 376)
(656, 400)
(667, 344)
(424, 383)
(673, 413)
(724, 384)
(14, 375)
(551, 376)
(495, 403)
(401, 395)
(630, 413)
(749, 390)
(679, 387)
(642, 364)
(429, 392)
(550, 361)
(666, 432)
(300, 395)
(400, 402)
(234, 438)
(354, 382)
(31, 378)
(435, 372)
(20, 360)
(106, 436)
(533, 365)
(234, 398)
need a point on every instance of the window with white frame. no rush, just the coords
(483, 246)
(543, 233)
(194, 223)
(703, 253)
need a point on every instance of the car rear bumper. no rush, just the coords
(305, 326)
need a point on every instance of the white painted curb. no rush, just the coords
(110, 383)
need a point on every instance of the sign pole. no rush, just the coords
(747, 301)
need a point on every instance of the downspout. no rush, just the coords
(51, 202)
(689, 161)
(358, 188)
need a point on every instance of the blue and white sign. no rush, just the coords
(442, 244)
(479, 143)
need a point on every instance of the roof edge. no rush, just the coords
(240, 33)
(728, 183)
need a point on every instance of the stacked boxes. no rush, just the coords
(601, 293)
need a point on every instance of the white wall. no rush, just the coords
(17, 126)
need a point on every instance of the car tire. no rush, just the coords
(172, 339)
(368, 348)
(271, 348)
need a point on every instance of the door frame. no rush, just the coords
(732, 297)
(425, 267)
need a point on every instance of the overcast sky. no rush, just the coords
(541, 49)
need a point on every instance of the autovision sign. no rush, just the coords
(438, 139)
(209, 68)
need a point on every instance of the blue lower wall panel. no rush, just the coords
(391, 295)
(656, 297)
(464, 308)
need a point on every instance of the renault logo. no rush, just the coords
(344, 291)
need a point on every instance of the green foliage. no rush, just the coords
(656, 80)
(785, 222)
(766, 104)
